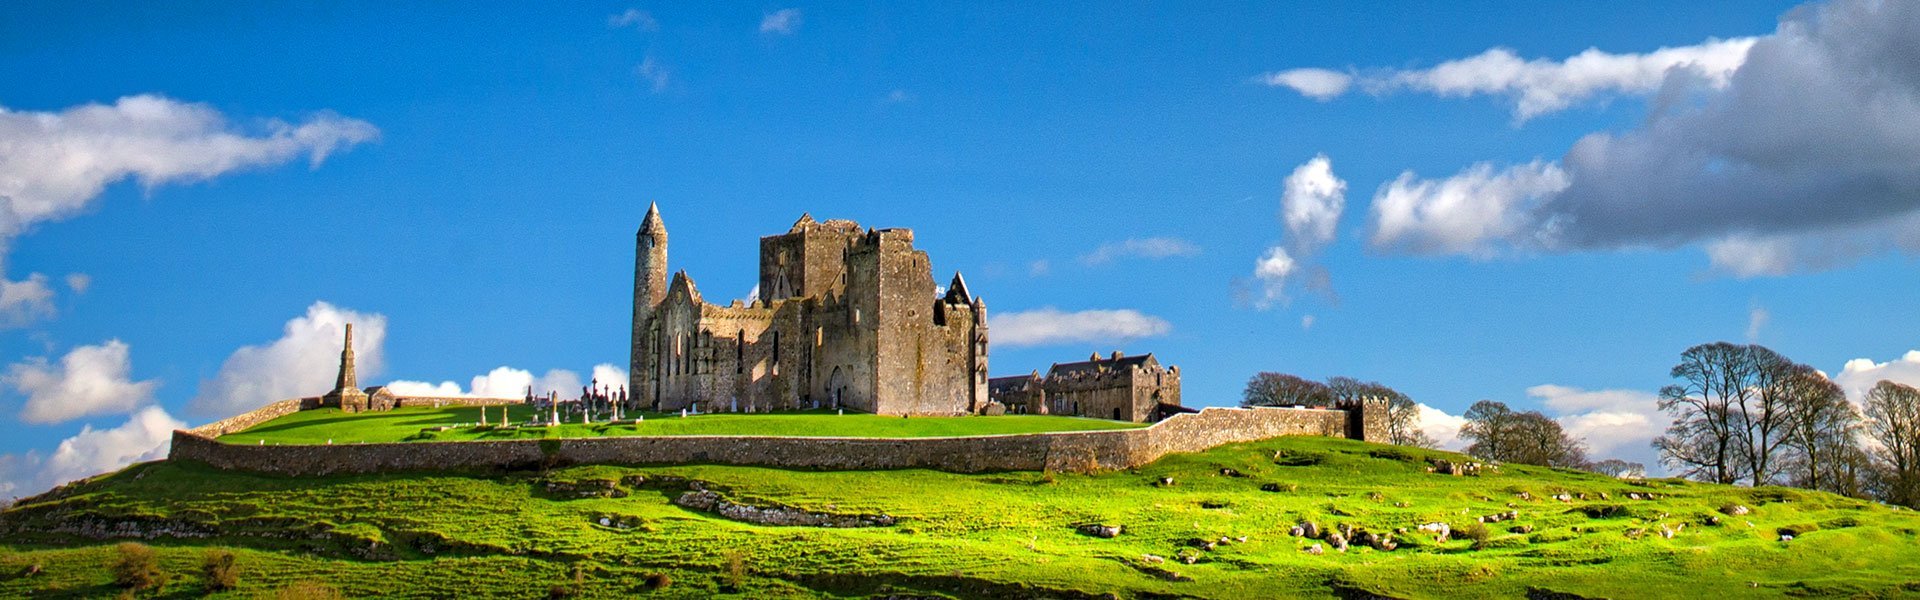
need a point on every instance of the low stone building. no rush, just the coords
(1118, 387)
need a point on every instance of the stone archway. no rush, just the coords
(836, 387)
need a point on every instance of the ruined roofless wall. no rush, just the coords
(1064, 451)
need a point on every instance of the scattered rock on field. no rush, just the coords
(1099, 530)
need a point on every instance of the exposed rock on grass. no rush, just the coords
(1099, 530)
(710, 501)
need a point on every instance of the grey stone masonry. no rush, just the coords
(846, 318)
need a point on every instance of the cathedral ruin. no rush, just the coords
(845, 318)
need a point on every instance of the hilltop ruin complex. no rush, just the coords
(845, 318)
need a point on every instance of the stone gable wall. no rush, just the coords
(1064, 451)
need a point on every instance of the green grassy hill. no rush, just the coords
(597, 531)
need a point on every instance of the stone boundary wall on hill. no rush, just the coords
(275, 410)
(245, 420)
(1061, 451)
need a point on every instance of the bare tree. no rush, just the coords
(1700, 443)
(1280, 389)
(1614, 467)
(1734, 411)
(1489, 424)
(1893, 419)
(1822, 436)
(1500, 433)
(1762, 422)
(1403, 423)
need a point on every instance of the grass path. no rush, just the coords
(321, 426)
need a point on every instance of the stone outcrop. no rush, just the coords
(713, 502)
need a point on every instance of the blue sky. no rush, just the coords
(468, 182)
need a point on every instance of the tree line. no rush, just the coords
(1742, 414)
(1746, 414)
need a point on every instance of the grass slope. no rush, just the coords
(325, 425)
(993, 535)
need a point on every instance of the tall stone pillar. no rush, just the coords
(346, 394)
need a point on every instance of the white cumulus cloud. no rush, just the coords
(144, 436)
(89, 380)
(1463, 214)
(1311, 201)
(1050, 325)
(1443, 428)
(610, 375)
(444, 389)
(1799, 158)
(1614, 423)
(303, 362)
(1859, 375)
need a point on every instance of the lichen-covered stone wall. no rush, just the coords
(1065, 451)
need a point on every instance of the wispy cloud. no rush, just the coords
(54, 164)
(1049, 325)
(1757, 319)
(1152, 247)
(635, 18)
(785, 21)
(1538, 86)
(656, 74)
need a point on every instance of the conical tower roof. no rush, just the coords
(651, 223)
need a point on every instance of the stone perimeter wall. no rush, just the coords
(1077, 451)
(246, 420)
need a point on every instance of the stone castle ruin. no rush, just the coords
(846, 318)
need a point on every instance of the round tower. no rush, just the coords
(649, 285)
